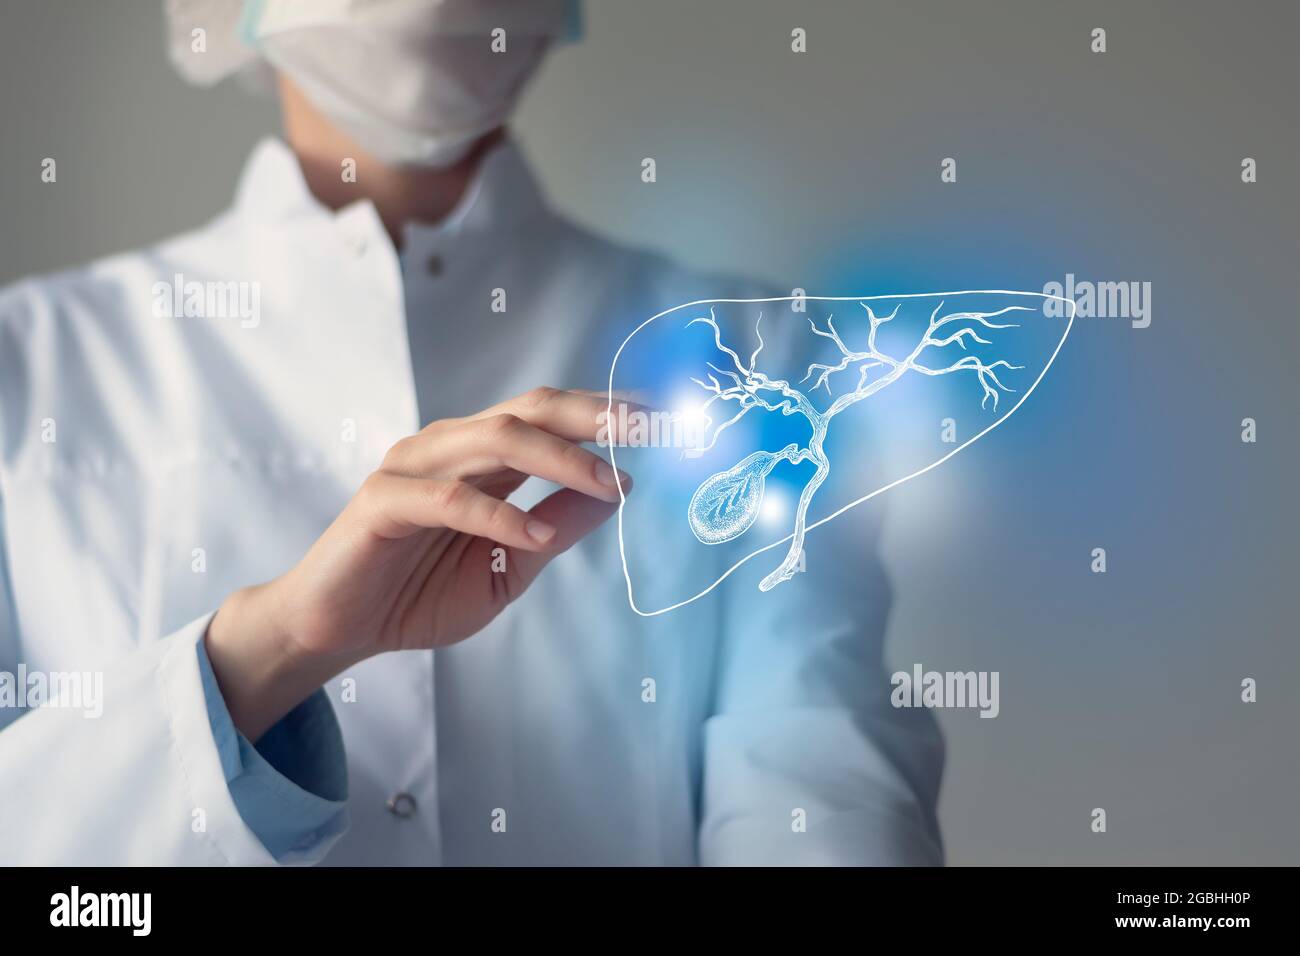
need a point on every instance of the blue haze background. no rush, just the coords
(821, 170)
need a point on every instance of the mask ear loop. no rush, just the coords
(258, 77)
(572, 31)
(249, 18)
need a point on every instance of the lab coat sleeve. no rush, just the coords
(142, 783)
(806, 761)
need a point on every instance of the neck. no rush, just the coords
(400, 194)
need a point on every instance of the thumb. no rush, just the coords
(574, 516)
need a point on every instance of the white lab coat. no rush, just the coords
(151, 465)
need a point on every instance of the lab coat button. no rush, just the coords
(434, 265)
(402, 805)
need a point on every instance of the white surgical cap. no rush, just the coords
(208, 40)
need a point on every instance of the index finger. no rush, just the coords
(574, 415)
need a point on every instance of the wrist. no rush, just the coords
(262, 670)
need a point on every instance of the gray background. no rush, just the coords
(1118, 691)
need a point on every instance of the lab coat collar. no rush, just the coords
(503, 194)
(272, 186)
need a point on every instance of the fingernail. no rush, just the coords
(539, 531)
(605, 474)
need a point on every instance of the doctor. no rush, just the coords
(290, 486)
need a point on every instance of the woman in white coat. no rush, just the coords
(254, 479)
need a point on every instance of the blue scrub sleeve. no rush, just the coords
(291, 789)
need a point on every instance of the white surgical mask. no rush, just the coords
(414, 82)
